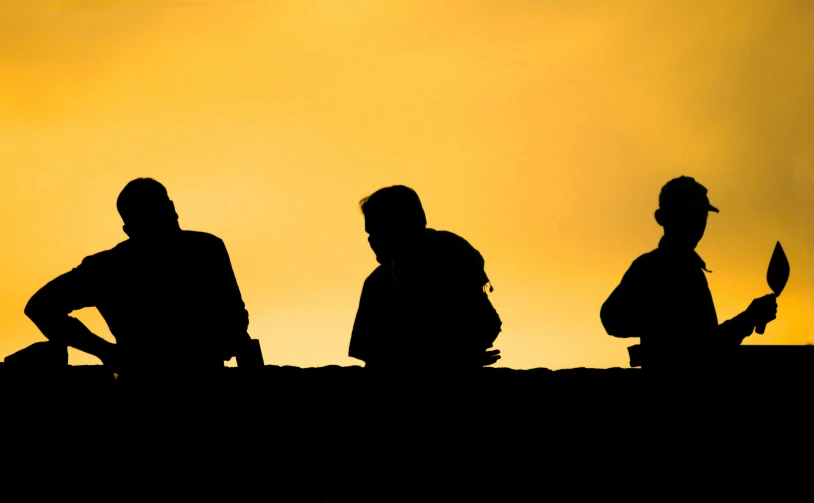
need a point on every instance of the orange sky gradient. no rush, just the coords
(540, 131)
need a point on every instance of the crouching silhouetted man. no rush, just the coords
(169, 296)
(664, 298)
(426, 304)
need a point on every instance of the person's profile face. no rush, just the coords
(380, 240)
(689, 226)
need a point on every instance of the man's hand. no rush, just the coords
(763, 309)
(490, 357)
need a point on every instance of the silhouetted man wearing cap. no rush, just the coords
(664, 298)
(426, 304)
(168, 295)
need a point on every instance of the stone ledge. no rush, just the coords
(346, 434)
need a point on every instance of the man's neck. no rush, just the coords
(673, 245)
(160, 234)
(684, 251)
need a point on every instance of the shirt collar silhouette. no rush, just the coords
(667, 246)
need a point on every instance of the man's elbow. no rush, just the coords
(620, 330)
(612, 330)
(41, 310)
(35, 309)
(606, 318)
(612, 324)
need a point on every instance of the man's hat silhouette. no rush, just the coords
(684, 193)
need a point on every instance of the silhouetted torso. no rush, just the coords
(173, 304)
(664, 299)
(426, 308)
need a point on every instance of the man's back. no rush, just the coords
(432, 300)
(170, 303)
(664, 296)
(664, 299)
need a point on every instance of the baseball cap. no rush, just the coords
(684, 193)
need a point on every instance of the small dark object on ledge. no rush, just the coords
(635, 353)
(250, 355)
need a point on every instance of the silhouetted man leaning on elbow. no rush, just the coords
(664, 298)
(169, 296)
(426, 304)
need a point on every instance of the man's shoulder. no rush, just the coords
(648, 257)
(647, 262)
(379, 275)
(107, 257)
(447, 237)
(197, 242)
(451, 245)
(455, 252)
(379, 272)
(125, 251)
(201, 237)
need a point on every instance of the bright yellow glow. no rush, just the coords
(540, 131)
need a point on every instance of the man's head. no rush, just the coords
(393, 217)
(146, 209)
(683, 211)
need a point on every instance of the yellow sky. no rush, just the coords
(539, 131)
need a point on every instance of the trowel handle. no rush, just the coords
(762, 327)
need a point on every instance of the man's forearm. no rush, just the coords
(734, 331)
(69, 331)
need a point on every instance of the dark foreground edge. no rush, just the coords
(739, 433)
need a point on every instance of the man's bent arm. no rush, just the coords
(360, 333)
(626, 312)
(636, 308)
(49, 309)
(365, 325)
(733, 332)
(230, 308)
(616, 319)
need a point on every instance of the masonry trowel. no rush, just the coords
(776, 276)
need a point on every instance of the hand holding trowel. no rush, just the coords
(777, 276)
